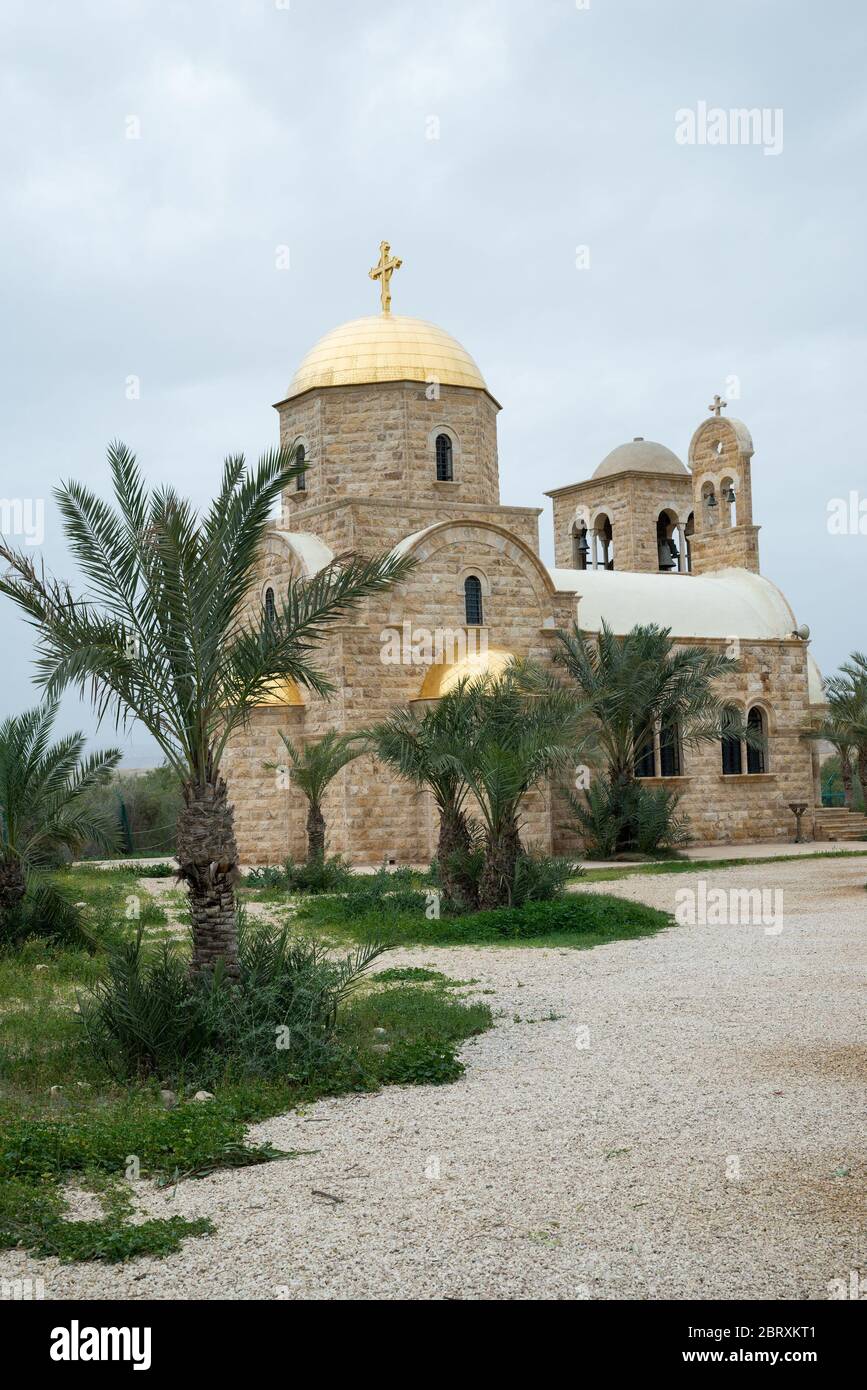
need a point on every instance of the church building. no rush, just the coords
(398, 428)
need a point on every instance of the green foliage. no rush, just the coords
(36, 1155)
(330, 875)
(314, 766)
(623, 817)
(541, 878)
(165, 635)
(833, 786)
(415, 974)
(410, 1013)
(536, 878)
(577, 914)
(112, 1241)
(144, 808)
(386, 894)
(44, 818)
(630, 686)
(422, 1063)
(578, 919)
(149, 1016)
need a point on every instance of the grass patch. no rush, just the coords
(396, 1031)
(579, 920)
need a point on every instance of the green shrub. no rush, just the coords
(386, 893)
(585, 918)
(593, 914)
(421, 1063)
(145, 808)
(538, 877)
(415, 974)
(639, 819)
(148, 1016)
(317, 876)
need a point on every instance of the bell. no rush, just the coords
(666, 561)
(583, 547)
(729, 494)
(673, 549)
(711, 501)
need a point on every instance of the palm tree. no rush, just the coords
(423, 748)
(634, 684)
(526, 728)
(847, 698)
(44, 810)
(164, 633)
(311, 770)
(837, 729)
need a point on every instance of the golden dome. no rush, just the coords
(443, 677)
(386, 347)
(281, 692)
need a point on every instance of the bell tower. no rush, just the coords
(724, 536)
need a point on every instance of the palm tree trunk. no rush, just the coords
(846, 777)
(208, 858)
(12, 886)
(627, 831)
(454, 843)
(862, 773)
(315, 832)
(498, 875)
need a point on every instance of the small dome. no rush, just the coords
(442, 678)
(386, 347)
(640, 456)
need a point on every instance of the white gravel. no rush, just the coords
(709, 1143)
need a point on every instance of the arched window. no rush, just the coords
(669, 751)
(728, 502)
(473, 601)
(666, 545)
(580, 548)
(645, 758)
(445, 469)
(270, 606)
(757, 756)
(688, 533)
(731, 756)
(301, 480)
(603, 544)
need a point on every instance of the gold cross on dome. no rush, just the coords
(718, 405)
(383, 271)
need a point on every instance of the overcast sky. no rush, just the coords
(307, 124)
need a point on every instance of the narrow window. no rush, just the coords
(756, 759)
(666, 546)
(603, 544)
(270, 606)
(445, 472)
(301, 480)
(473, 601)
(669, 751)
(645, 762)
(731, 756)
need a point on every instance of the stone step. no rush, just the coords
(838, 823)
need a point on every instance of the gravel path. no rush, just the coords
(708, 1143)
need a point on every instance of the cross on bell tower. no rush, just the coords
(718, 405)
(383, 271)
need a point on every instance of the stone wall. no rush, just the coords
(378, 441)
(752, 806)
(370, 814)
(720, 455)
(632, 502)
